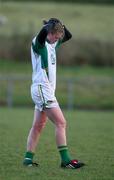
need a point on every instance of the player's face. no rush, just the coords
(54, 37)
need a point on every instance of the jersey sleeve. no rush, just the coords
(67, 35)
(40, 40)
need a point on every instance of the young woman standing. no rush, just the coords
(43, 54)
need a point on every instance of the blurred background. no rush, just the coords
(85, 88)
(85, 72)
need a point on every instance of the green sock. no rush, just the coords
(28, 157)
(64, 153)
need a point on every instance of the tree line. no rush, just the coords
(93, 52)
(69, 1)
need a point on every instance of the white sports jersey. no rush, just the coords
(43, 55)
(44, 65)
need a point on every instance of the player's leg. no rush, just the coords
(34, 134)
(37, 127)
(57, 117)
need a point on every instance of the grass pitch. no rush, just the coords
(90, 138)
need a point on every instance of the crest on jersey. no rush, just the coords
(53, 59)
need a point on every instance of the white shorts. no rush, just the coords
(43, 97)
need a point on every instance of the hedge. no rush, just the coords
(76, 52)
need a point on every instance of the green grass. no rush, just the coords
(10, 67)
(85, 21)
(92, 88)
(90, 138)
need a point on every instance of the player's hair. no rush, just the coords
(56, 25)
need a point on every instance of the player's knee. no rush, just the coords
(38, 127)
(62, 124)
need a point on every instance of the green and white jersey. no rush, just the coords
(44, 64)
